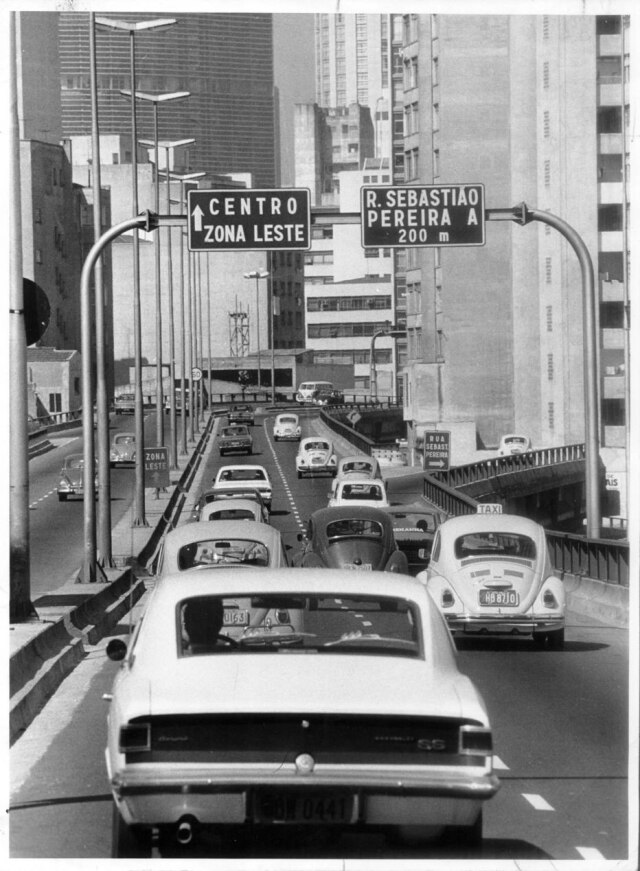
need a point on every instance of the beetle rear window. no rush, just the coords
(495, 544)
(350, 526)
(223, 552)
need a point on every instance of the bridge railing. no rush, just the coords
(481, 470)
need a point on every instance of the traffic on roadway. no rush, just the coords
(328, 710)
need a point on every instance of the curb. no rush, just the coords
(38, 668)
(589, 597)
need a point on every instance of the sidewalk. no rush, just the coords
(44, 651)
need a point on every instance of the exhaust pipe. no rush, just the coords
(185, 830)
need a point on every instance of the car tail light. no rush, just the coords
(283, 617)
(549, 600)
(447, 598)
(475, 741)
(135, 738)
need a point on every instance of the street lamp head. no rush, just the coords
(135, 26)
(187, 176)
(257, 274)
(167, 143)
(158, 98)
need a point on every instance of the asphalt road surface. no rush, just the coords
(559, 719)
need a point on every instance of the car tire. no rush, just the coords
(550, 640)
(299, 474)
(62, 497)
(249, 452)
(128, 842)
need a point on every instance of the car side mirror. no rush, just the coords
(116, 649)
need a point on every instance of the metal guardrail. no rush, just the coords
(481, 470)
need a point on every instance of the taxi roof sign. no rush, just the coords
(428, 216)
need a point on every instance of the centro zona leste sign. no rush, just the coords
(422, 215)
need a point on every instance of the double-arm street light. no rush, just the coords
(133, 27)
(183, 179)
(169, 146)
(155, 100)
(257, 274)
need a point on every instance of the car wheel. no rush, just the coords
(62, 497)
(556, 640)
(249, 452)
(299, 474)
(128, 842)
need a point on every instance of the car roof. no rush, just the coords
(317, 438)
(468, 523)
(290, 581)
(286, 414)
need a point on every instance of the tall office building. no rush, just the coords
(535, 109)
(225, 61)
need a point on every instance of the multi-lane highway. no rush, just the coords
(559, 719)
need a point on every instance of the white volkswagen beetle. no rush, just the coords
(355, 717)
(491, 575)
(354, 490)
(316, 457)
(287, 427)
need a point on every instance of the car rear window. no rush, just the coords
(316, 446)
(361, 491)
(230, 514)
(306, 623)
(227, 551)
(351, 526)
(495, 544)
(411, 522)
(287, 420)
(234, 431)
(243, 475)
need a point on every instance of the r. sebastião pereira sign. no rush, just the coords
(422, 215)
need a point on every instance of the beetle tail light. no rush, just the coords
(475, 741)
(135, 738)
(549, 600)
(447, 598)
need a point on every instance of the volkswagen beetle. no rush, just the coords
(123, 449)
(352, 537)
(316, 457)
(71, 479)
(491, 575)
(287, 427)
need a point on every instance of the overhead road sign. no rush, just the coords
(437, 451)
(422, 216)
(249, 219)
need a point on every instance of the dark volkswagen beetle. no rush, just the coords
(414, 526)
(353, 537)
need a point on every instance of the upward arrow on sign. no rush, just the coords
(197, 215)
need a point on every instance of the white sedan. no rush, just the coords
(355, 716)
(231, 479)
(491, 575)
(286, 427)
(316, 457)
(354, 490)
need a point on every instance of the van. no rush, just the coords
(308, 388)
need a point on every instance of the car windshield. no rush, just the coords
(126, 397)
(351, 526)
(243, 474)
(125, 440)
(361, 491)
(240, 408)
(231, 431)
(495, 544)
(316, 446)
(413, 522)
(227, 551)
(301, 623)
(515, 440)
(292, 420)
(74, 463)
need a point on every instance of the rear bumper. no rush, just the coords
(504, 625)
(393, 797)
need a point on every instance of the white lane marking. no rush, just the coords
(498, 763)
(539, 803)
(366, 623)
(289, 495)
(589, 853)
(42, 498)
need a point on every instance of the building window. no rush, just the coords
(547, 270)
(545, 75)
(547, 173)
(612, 315)
(606, 24)
(550, 367)
(549, 318)
(551, 415)
(610, 218)
(546, 124)
(55, 402)
(613, 412)
(609, 119)
(38, 255)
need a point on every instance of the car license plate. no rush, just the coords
(363, 567)
(499, 598)
(310, 808)
(236, 617)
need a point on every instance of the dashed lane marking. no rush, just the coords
(287, 490)
(42, 498)
(499, 764)
(537, 802)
